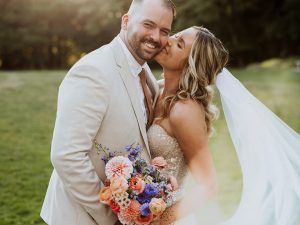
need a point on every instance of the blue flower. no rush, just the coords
(149, 170)
(138, 149)
(139, 164)
(131, 157)
(143, 198)
(128, 147)
(151, 190)
(145, 210)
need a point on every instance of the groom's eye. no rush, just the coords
(148, 25)
(179, 46)
(165, 33)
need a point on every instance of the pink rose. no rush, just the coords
(157, 206)
(159, 162)
(118, 184)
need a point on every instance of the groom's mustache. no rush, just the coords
(154, 43)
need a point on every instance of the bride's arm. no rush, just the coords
(187, 120)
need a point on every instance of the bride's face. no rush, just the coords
(175, 55)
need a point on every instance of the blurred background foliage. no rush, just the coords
(44, 34)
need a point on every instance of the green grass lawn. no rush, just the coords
(27, 114)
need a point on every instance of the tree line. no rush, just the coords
(53, 34)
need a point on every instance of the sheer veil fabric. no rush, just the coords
(269, 155)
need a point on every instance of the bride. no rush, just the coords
(268, 150)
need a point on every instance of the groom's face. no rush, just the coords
(147, 29)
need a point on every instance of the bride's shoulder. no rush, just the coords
(186, 110)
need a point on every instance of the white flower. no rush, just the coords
(118, 166)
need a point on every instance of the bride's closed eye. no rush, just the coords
(181, 43)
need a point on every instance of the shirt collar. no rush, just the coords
(134, 66)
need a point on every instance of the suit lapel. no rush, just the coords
(125, 74)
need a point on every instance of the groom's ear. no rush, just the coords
(124, 22)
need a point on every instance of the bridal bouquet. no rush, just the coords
(136, 190)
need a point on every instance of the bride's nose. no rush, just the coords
(170, 41)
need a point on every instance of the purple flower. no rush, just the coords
(128, 147)
(149, 170)
(138, 149)
(143, 198)
(145, 211)
(151, 190)
(139, 164)
(131, 157)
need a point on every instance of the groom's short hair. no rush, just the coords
(167, 3)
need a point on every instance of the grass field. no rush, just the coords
(27, 114)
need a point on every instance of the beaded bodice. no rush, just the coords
(162, 144)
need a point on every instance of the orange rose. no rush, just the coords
(105, 195)
(137, 184)
(144, 220)
(159, 162)
(157, 206)
(118, 184)
(114, 206)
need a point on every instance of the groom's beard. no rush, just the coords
(141, 53)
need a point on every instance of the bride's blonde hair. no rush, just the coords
(206, 59)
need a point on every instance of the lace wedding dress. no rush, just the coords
(162, 144)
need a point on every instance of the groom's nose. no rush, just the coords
(155, 35)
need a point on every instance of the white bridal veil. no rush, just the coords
(269, 155)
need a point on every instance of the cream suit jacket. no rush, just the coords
(97, 100)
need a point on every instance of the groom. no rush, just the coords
(107, 96)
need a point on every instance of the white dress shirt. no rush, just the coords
(135, 69)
